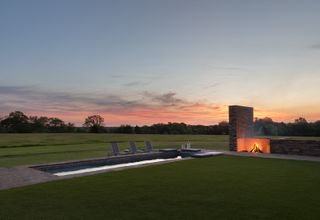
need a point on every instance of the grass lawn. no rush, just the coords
(222, 187)
(27, 149)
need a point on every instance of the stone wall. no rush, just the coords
(240, 124)
(295, 147)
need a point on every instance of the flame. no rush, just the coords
(255, 145)
(256, 149)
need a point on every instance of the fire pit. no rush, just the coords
(241, 138)
(253, 145)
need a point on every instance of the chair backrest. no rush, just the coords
(148, 146)
(133, 147)
(115, 148)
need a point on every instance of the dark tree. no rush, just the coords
(126, 129)
(265, 126)
(94, 123)
(16, 122)
(224, 127)
(56, 125)
(2, 129)
(316, 128)
(70, 127)
(301, 127)
(39, 124)
(300, 121)
(137, 130)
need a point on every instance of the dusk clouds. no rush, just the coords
(147, 107)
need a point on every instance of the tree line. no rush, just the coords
(18, 122)
(300, 127)
(173, 128)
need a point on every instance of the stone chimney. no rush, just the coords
(240, 124)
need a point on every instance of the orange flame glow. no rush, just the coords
(253, 145)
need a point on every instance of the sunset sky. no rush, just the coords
(149, 61)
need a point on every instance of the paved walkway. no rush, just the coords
(274, 156)
(23, 175)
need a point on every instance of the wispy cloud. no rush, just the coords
(166, 99)
(117, 76)
(213, 85)
(136, 83)
(228, 68)
(40, 99)
(15, 89)
(145, 108)
(315, 46)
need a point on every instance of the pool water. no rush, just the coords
(111, 167)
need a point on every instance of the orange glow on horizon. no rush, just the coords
(196, 113)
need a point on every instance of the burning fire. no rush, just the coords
(254, 145)
(256, 149)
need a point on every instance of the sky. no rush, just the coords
(157, 61)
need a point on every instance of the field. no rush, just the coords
(27, 149)
(222, 187)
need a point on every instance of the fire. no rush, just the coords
(256, 149)
(254, 145)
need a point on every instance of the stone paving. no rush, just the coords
(23, 175)
(273, 156)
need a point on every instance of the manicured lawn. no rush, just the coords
(27, 149)
(222, 187)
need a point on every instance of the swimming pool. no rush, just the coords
(111, 167)
(127, 160)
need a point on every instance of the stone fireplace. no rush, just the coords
(242, 139)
